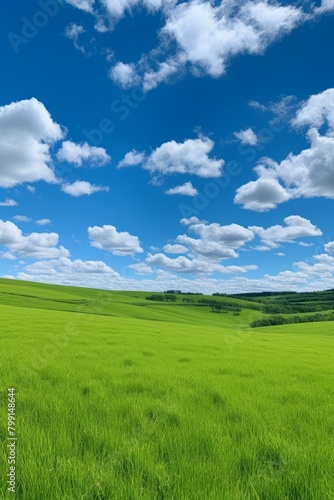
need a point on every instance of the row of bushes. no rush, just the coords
(295, 308)
(227, 306)
(280, 320)
(214, 304)
(162, 298)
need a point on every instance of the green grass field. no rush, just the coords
(121, 398)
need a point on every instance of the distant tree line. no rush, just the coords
(217, 306)
(281, 320)
(169, 297)
(178, 292)
(286, 308)
(260, 294)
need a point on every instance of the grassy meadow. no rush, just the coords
(120, 398)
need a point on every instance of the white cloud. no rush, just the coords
(215, 242)
(316, 111)
(326, 6)
(177, 249)
(79, 153)
(247, 136)
(31, 189)
(132, 159)
(280, 254)
(153, 77)
(66, 271)
(261, 248)
(117, 8)
(8, 203)
(124, 75)
(7, 256)
(207, 248)
(190, 221)
(209, 36)
(80, 266)
(30, 125)
(205, 36)
(43, 222)
(283, 109)
(142, 268)
(73, 32)
(305, 175)
(81, 188)
(190, 157)
(307, 277)
(295, 227)
(85, 5)
(308, 174)
(329, 247)
(261, 195)
(22, 218)
(232, 236)
(306, 245)
(193, 266)
(108, 238)
(186, 189)
(202, 36)
(35, 245)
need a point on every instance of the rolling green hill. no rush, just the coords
(119, 397)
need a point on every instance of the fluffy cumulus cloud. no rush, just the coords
(207, 248)
(35, 245)
(30, 125)
(231, 236)
(177, 249)
(141, 268)
(22, 218)
(43, 222)
(213, 244)
(202, 36)
(77, 154)
(118, 243)
(65, 265)
(186, 189)
(316, 111)
(261, 195)
(132, 159)
(294, 227)
(124, 75)
(307, 277)
(82, 188)
(326, 6)
(307, 174)
(189, 157)
(329, 247)
(163, 72)
(8, 203)
(7, 256)
(206, 35)
(193, 266)
(247, 136)
(89, 266)
(77, 272)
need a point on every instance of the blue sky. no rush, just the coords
(148, 144)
